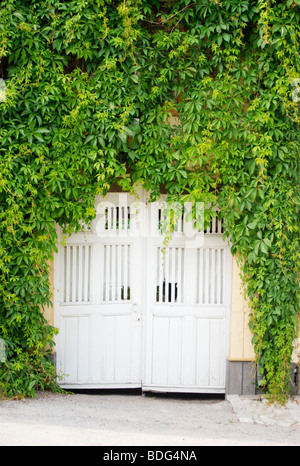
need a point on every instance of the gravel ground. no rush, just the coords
(105, 419)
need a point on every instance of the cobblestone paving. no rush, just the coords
(257, 410)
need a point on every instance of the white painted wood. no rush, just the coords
(135, 312)
(98, 303)
(187, 338)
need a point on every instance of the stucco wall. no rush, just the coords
(241, 348)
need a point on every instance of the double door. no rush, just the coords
(135, 311)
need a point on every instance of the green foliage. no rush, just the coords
(193, 96)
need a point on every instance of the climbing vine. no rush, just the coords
(194, 96)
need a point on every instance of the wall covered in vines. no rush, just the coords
(90, 87)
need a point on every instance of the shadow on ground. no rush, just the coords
(150, 394)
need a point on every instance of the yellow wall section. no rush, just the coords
(241, 348)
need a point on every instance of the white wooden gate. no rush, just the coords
(98, 292)
(133, 312)
(188, 309)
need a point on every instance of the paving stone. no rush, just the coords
(294, 408)
(257, 409)
(245, 417)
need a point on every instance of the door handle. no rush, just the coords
(136, 312)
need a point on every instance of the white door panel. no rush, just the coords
(187, 313)
(98, 301)
(133, 311)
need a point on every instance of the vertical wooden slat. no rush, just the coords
(208, 229)
(207, 277)
(216, 350)
(222, 277)
(198, 277)
(173, 274)
(160, 350)
(83, 349)
(198, 271)
(66, 275)
(180, 276)
(183, 272)
(125, 272)
(160, 274)
(113, 272)
(69, 275)
(80, 276)
(73, 274)
(175, 351)
(122, 348)
(109, 218)
(122, 271)
(104, 272)
(119, 273)
(157, 276)
(202, 352)
(213, 226)
(109, 348)
(76, 253)
(218, 276)
(107, 273)
(167, 274)
(114, 218)
(212, 276)
(106, 219)
(86, 274)
(126, 218)
(189, 334)
(203, 275)
(63, 296)
(70, 333)
(89, 273)
(121, 217)
(129, 287)
(128, 226)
